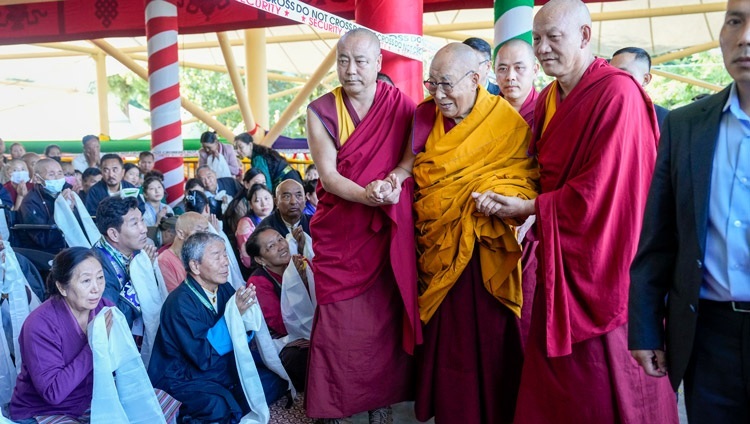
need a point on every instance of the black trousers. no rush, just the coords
(717, 381)
(294, 360)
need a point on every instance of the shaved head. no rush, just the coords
(358, 61)
(362, 34)
(562, 41)
(190, 223)
(515, 70)
(453, 80)
(284, 185)
(573, 11)
(456, 57)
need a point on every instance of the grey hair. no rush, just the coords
(195, 247)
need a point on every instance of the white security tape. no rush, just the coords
(407, 45)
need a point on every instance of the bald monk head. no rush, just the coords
(562, 41)
(188, 224)
(358, 61)
(515, 70)
(453, 80)
(290, 199)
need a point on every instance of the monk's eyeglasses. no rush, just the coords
(447, 87)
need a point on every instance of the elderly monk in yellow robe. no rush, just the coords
(469, 275)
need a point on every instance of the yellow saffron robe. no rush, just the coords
(485, 151)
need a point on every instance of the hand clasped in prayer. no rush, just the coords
(384, 192)
(245, 298)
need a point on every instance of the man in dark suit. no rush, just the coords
(694, 246)
(484, 55)
(637, 62)
(111, 183)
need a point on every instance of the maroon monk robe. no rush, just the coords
(469, 367)
(527, 108)
(529, 243)
(367, 321)
(596, 158)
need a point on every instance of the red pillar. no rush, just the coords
(397, 17)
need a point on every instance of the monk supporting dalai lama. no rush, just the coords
(595, 139)
(366, 324)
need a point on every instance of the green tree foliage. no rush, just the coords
(212, 91)
(705, 66)
(129, 89)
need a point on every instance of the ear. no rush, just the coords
(380, 61)
(60, 289)
(535, 68)
(585, 35)
(113, 235)
(194, 267)
(259, 260)
(647, 79)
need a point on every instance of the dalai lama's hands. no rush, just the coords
(245, 298)
(653, 362)
(383, 192)
(491, 203)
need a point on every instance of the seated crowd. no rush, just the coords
(169, 273)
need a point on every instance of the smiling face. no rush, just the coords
(274, 250)
(358, 62)
(734, 40)
(86, 286)
(561, 34)
(133, 176)
(452, 67)
(213, 269)
(208, 179)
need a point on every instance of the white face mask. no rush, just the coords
(54, 186)
(18, 177)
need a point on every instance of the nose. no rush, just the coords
(541, 46)
(351, 68)
(745, 35)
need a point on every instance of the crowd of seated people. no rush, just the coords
(129, 208)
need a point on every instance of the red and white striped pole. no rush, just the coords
(164, 90)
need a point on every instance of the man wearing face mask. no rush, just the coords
(38, 206)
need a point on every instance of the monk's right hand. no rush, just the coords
(653, 362)
(485, 203)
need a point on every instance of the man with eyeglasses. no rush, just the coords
(483, 68)
(467, 140)
(366, 324)
(595, 138)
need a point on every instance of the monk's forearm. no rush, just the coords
(345, 188)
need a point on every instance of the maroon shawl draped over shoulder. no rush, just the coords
(353, 242)
(596, 157)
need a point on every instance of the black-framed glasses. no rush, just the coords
(447, 87)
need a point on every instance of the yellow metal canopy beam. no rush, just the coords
(679, 54)
(186, 104)
(688, 80)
